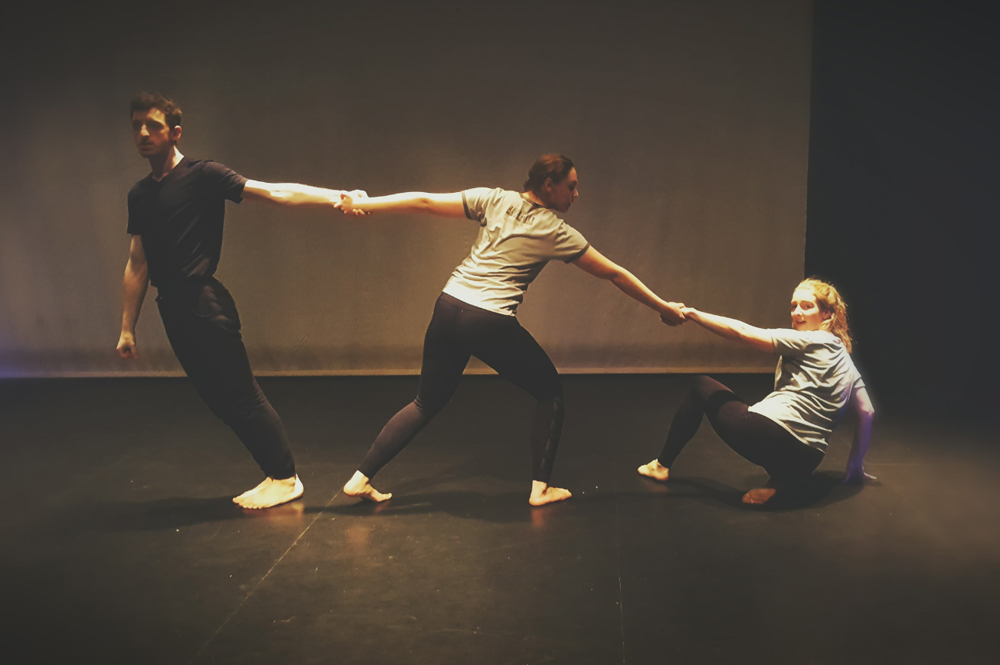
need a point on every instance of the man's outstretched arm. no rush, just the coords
(293, 194)
(133, 292)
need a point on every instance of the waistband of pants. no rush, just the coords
(461, 304)
(186, 288)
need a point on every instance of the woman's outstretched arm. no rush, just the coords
(444, 205)
(865, 417)
(599, 265)
(733, 329)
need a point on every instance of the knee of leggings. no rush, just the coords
(429, 408)
(702, 384)
(555, 396)
(236, 409)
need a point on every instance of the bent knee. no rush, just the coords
(703, 384)
(550, 392)
(429, 408)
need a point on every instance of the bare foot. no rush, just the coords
(542, 494)
(655, 470)
(359, 486)
(271, 493)
(759, 495)
(254, 490)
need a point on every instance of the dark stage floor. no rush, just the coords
(120, 544)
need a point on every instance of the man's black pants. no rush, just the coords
(203, 327)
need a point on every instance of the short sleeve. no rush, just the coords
(788, 342)
(135, 220)
(224, 181)
(859, 383)
(475, 201)
(569, 244)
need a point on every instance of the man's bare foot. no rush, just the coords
(655, 470)
(253, 490)
(271, 493)
(359, 486)
(759, 495)
(542, 494)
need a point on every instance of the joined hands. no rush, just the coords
(675, 313)
(346, 203)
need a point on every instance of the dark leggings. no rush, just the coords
(203, 327)
(456, 332)
(755, 437)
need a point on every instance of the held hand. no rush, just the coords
(673, 314)
(126, 346)
(347, 201)
(856, 474)
(690, 313)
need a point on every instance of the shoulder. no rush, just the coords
(480, 201)
(787, 340)
(207, 167)
(491, 194)
(822, 337)
(137, 190)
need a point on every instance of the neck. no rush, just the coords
(161, 165)
(531, 196)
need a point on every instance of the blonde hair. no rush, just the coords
(830, 302)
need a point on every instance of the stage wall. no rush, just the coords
(688, 123)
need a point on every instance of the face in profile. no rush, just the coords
(151, 134)
(806, 313)
(560, 195)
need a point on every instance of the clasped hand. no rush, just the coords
(674, 314)
(346, 203)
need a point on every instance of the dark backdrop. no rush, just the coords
(688, 120)
(903, 200)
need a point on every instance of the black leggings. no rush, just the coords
(203, 327)
(456, 332)
(755, 437)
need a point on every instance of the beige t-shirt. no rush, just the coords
(516, 239)
(813, 383)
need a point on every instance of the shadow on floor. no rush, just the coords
(170, 513)
(823, 489)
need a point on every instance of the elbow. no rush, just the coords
(135, 268)
(423, 204)
(616, 275)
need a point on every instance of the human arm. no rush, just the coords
(134, 287)
(443, 205)
(294, 194)
(598, 265)
(732, 329)
(864, 418)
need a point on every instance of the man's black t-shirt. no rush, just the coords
(180, 219)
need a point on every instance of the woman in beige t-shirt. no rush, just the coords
(787, 432)
(520, 232)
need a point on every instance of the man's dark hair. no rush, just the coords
(145, 101)
(552, 166)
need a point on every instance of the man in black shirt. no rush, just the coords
(175, 216)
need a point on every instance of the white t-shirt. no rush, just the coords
(516, 239)
(813, 383)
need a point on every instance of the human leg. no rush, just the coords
(704, 393)
(509, 349)
(204, 332)
(760, 440)
(444, 358)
